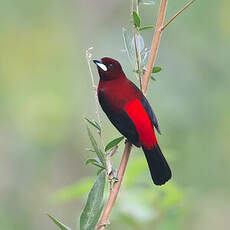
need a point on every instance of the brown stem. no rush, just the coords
(114, 192)
(155, 45)
(116, 187)
(178, 13)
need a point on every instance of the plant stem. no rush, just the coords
(104, 220)
(116, 187)
(88, 57)
(109, 167)
(137, 56)
(155, 45)
(178, 13)
(137, 47)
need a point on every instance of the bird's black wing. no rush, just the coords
(147, 108)
(150, 113)
(120, 120)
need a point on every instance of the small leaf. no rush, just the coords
(58, 223)
(99, 171)
(93, 123)
(156, 69)
(113, 143)
(90, 161)
(94, 161)
(137, 71)
(136, 19)
(92, 210)
(99, 153)
(90, 150)
(152, 78)
(145, 28)
(98, 165)
(115, 179)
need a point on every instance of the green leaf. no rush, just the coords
(94, 162)
(145, 28)
(113, 143)
(58, 223)
(152, 78)
(136, 19)
(99, 171)
(98, 151)
(74, 191)
(90, 150)
(93, 123)
(90, 161)
(156, 69)
(115, 179)
(98, 165)
(92, 210)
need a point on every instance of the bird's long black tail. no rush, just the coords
(158, 165)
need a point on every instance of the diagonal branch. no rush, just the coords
(116, 187)
(178, 13)
(155, 45)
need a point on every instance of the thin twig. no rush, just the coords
(178, 13)
(138, 58)
(109, 167)
(137, 47)
(88, 57)
(104, 220)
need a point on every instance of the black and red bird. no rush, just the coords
(130, 112)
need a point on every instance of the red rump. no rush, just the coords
(142, 123)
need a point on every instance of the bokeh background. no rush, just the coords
(45, 91)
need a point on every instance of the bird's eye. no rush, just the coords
(110, 66)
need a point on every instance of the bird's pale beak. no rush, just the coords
(100, 64)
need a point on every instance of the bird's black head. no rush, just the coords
(109, 69)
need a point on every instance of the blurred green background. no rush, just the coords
(45, 92)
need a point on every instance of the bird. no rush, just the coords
(130, 112)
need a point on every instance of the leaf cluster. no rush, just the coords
(134, 41)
